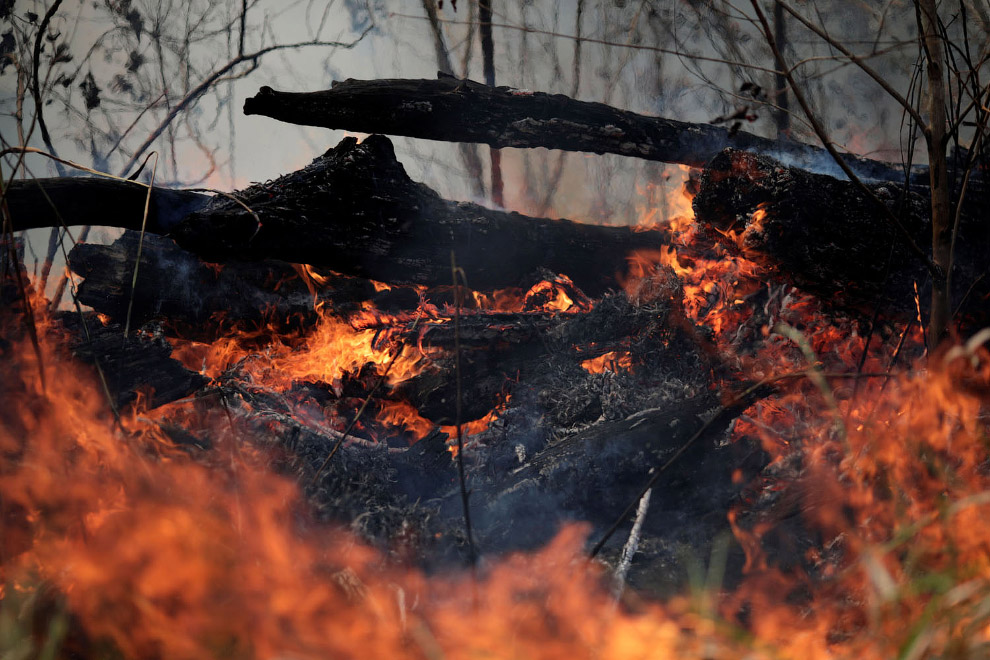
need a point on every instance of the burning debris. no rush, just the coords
(268, 467)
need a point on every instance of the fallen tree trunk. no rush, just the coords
(53, 202)
(355, 210)
(828, 237)
(200, 300)
(465, 111)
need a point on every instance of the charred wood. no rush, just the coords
(540, 356)
(592, 476)
(54, 202)
(466, 111)
(197, 300)
(356, 210)
(138, 366)
(826, 236)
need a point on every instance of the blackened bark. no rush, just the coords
(828, 237)
(201, 300)
(97, 201)
(355, 210)
(465, 111)
(140, 365)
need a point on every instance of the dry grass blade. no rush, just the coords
(137, 259)
(458, 276)
(14, 264)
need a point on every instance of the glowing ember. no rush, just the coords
(403, 416)
(611, 361)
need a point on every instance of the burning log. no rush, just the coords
(825, 235)
(198, 299)
(465, 111)
(140, 365)
(541, 356)
(498, 349)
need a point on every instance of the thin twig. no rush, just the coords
(39, 108)
(631, 546)
(36, 85)
(469, 152)
(488, 66)
(454, 270)
(137, 259)
(554, 182)
(603, 42)
(857, 60)
(15, 265)
(64, 161)
(73, 291)
(96, 362)
(208, 82)
(819, 130)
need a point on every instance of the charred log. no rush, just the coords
(138, 366)
(825, 235)
(54, 202)
(539, 356)
(465, 111)
(356, 210)
(199, 299)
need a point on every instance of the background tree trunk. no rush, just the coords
(938, 321)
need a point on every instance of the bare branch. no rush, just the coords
(193, 95)
(830, 147)
(858, 61)
(604, 42)
(36, 87)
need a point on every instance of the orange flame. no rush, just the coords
(212, 558)
(326, 353)
(611, 361)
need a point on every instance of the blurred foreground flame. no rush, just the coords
(159, 554)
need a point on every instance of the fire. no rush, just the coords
(611, 361)
(402, 415)
(326, 353)
(899, 491)
(668, 203)
(891, 468)
(882, 471)
(158, 554)
(475, 426)
(555, 295)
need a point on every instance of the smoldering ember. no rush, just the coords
(345, 413)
